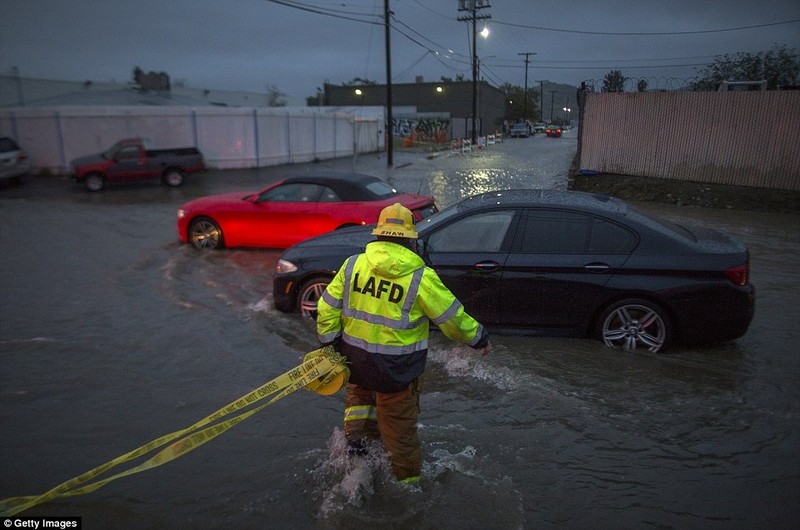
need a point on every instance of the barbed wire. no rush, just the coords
(651, 83)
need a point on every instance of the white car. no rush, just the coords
(519, 130)
(14, 162)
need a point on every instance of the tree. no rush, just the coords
(614, 82)
(275, 98)
(138, 73)
(316, 101)
(516, 107)
(779, 66)
(641, 86)
(357, 81)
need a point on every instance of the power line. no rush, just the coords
(345, 15)
(645, 33)
(449, 51)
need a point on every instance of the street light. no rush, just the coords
(567, 110)
(472, 7)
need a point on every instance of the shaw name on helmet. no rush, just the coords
(396, 221)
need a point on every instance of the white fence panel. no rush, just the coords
(228, 137)
(273, 139)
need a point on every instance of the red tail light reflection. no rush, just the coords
(738, 275)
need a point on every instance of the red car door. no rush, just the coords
(129, 164)
(281, 217)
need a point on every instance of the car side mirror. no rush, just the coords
(421, 248)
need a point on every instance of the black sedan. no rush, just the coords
(561, 263)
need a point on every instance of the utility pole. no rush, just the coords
(18, 78)
(472, 7)
(389, 118)
(541, 100)
(525, 100)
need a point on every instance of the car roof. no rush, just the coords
(349, 186)
(557, 198)
(597, 203)
(8, 144)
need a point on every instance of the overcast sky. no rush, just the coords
(254, 44)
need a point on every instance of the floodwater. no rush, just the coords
(113, 334)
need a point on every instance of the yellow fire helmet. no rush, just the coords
(334, 380)
(396, 221)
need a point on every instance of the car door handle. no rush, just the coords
(597, 267)
(487, 265)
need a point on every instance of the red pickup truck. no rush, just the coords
(134, 159)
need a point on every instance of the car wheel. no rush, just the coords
(94, 182)
(309, 294)
(635, 324)
(173, 178)
(204, 233)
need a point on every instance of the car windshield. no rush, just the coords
(7, 144)
(439, 217)
(109, 153)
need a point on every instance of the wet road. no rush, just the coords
(112, 334)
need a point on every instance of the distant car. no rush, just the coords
(553, 131)
(539, 127)
(292, 210)
(14, 161)
(561, 263)
(519, 130)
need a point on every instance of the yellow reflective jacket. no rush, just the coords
(378, 308)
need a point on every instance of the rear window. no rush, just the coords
(662, 225)
(381, 189)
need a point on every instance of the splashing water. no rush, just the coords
(463, 361)
(349, 481)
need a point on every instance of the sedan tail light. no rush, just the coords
(738, 275)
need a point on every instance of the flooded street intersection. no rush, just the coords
(112, 334)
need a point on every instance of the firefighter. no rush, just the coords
(376, 312)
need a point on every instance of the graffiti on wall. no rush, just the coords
(421, 129)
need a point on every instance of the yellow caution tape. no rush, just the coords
(326, 365)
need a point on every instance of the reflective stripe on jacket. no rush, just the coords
(379, 306)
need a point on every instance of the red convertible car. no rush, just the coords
(291, 211)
